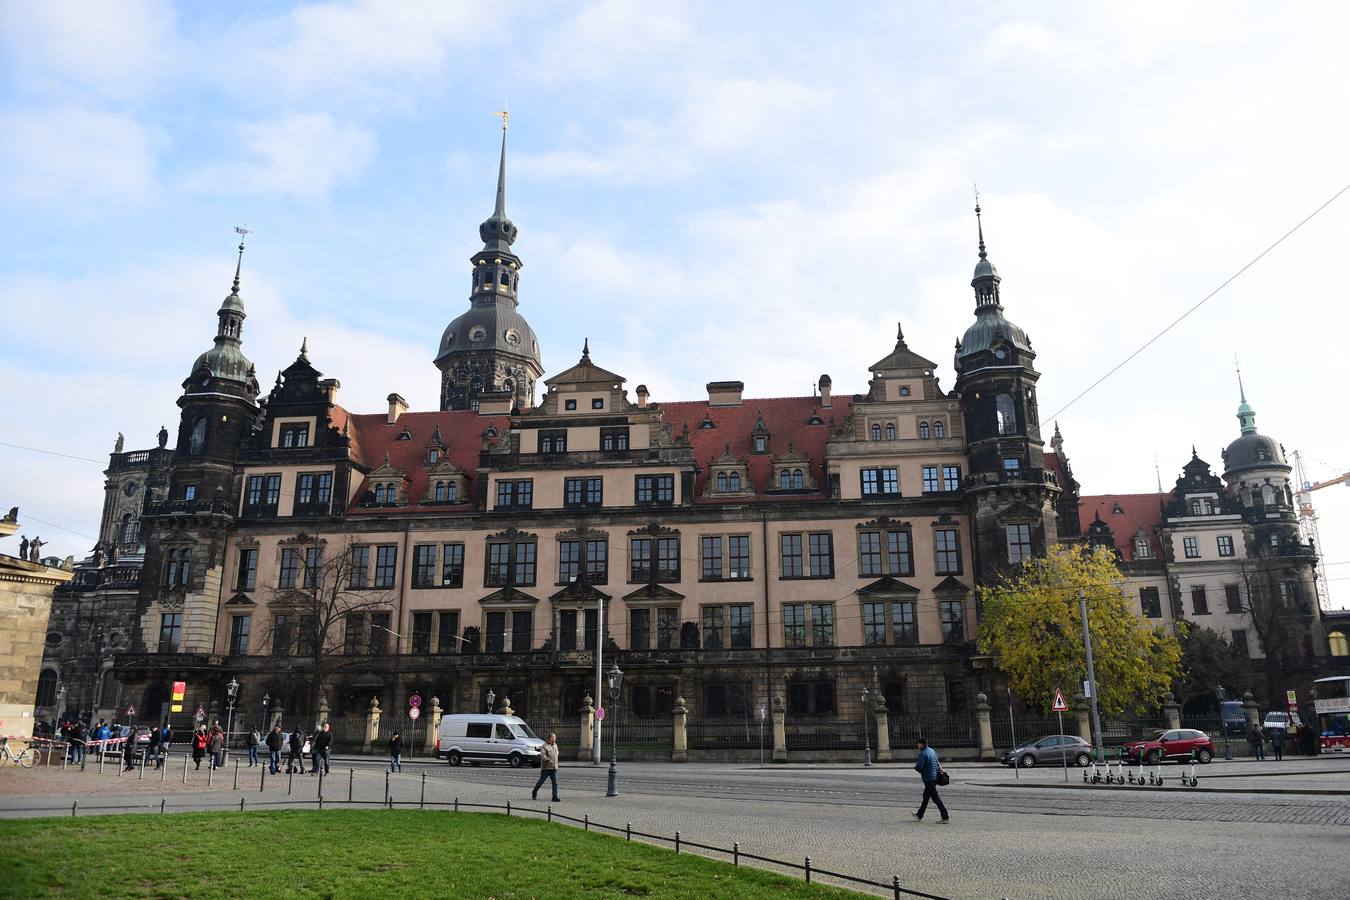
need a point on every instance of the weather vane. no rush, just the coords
(242, 231)
(503, 114)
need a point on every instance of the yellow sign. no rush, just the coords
(179, 691)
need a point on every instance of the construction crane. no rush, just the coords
(1307, 518)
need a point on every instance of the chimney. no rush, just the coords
(642, 396)
(825, 391)
(725, 393)
(329, 388)
(397, 407)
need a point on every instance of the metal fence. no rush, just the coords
(826, 734)
(1024, 727)
(1121, 731)
(941, 730)
(713, 734)
(645, 734)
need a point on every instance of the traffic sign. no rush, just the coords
(414, 712)
(1060, 705)
(131, 710)
(415, 701)
(201, 711)
(599, 714)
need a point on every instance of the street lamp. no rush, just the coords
(867, 739)
(615, 679)
(267, 699)
(231, 692)
(1223, 726)
(491, 698)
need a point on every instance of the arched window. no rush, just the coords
(890, 431)
(440, 492)
(799, 480)
(505, 279)
(452, 492)
(197, 442)
(721, 481)
(1339, 646)
(734, 482)
(1267, 495)
(876, 432)
(923, 430)
(128, 538)
(171, 569)
(939, 430)
(1007, 419)
(785, 480)
(379, 493)
(184, 566)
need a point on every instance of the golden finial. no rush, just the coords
(503, 114)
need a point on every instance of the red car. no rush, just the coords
(1176, 743)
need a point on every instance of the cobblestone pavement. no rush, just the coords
(1005, 841)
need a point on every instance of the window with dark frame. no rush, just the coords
(515, 494)
(295, 435)
(738, 557)
(822, 624)
(421, 633)
(951, 478)
(810, 698)
(953, 616)
(447, 631)
(553, 442)
(1191, 547)
(947, 551)
(510, 563)
(452, 565)
(1019, 543)
(386, 565)
(639, 628)
(1199, 602)
(359, 576)
(424, 566)
(494, 641)
(247, 577)
(290, 568)
(655, 489)
(932, 482)
(1225, 543)
(712, 628)
(379, 633)
(522, 630)
(794, 625)
(878, 482)
(1149, 602)
(239, 628)
(170, 632)
(1232, 595)
(612, 439)
(710, 558)
(1240, 644)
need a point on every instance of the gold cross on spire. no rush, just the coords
(503, 114)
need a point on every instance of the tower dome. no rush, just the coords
(225, 361)
(1251, 450)
(990, 325)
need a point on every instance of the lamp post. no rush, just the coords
(231, 692)
(491, 699)
(867, 738)
(1223, 726)
(615, 679)
(267, 700)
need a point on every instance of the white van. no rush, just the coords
(487, 738)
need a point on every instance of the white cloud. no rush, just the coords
(71, 158)
(302, 156)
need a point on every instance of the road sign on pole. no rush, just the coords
(1060, 705)
(415, 701)
(131, 710)
(599, 714)
(413, 712)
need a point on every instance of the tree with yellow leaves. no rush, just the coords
(1031, 622)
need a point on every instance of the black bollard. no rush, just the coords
(351, 776)
(421, 804)
(236, 776)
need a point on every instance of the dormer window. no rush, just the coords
(1142, 550)
(708, 423)
(379, 493)
(295, 435)
(404, 435)
(434, 455)
(923, 430)
(761, 444)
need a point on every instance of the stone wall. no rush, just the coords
(25, 605)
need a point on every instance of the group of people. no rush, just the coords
(1258, 736)
(318, 746)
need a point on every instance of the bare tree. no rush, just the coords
(1282, 616)
(321, 611)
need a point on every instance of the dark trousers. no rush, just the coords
(930, 793)
(1279, 750)
(314, 760)
(545, 775)
(1258, 749)
(296, 760)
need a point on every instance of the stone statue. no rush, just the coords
(12, 515)
(23, 547)
(35, 553)
(163, 437)
(98, 555)
(117, 446)
(112, 553)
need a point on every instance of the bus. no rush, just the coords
(1331, 704)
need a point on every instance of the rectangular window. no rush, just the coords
(1192, 547)
(591, 629)
(655, 489)
(890, 481)
(710, 559)
(667, 628)
(874, 624)
(353, 634)
(597, 561)
(524, 563)
(739, 616)
(639, 629)
(170, 632)
(640, 560)
(726, 700)
(253, 493)
(421, 633)
(738, 556)
(822, 624)
(324, 492)
(1225, 545)
(272, 494)
(189, 492)
(806, 698)
(1011, 465)
(239, 626)
(518, 494)
(1240, 642)
(790, 555)
(386, 565)
(452, 565)
(495, 639)
(878, 482)
(1232, 595)
(447, 632)
(931, 481)
(522, 631)
(567, 629)
(668, 559)
(360, 573)
(573, 493)
(951, 478)
(794, 625)
(304, 490)
(424, 565)
(1199, 602)
(313, 566)
(595, 492)
(821, 544)
(553, 441)
(712, 628)
(379, 633)
(1019, 543)
(899, 559)
(247, 579)
(569, 561)
(498, 572)
(947, 550)
(904, 627)
(1149, 603)
(869, 554)
(290, 567)
(953, 615)
(281, 635)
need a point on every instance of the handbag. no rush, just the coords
(943, 778)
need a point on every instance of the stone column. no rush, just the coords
(277, 714)
(372, 725)
(587, 734)
(1083, 710)
(680, 748)
(1249, 710)
(883, 720)
(986, 727)
(323, 712)
(1171, 710)
(506, 707)
(433, 725)
(779, 730)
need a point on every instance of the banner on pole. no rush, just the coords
(179, 692)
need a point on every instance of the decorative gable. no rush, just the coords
(792, 472)
(386, 486)
(728, 476)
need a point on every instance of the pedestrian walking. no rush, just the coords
(254, 741)
(274, 744)
(1308, 737)
(1256, 739)
(296, 758)
(217, 746)
(548, 767)
(1277, 743)
(77, 739)
(929, 769)
(319, 746)
(200, 740)
(152, 748)
(165, 738)
(129, 752)
(396, 753)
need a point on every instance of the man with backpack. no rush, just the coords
(297, 754)
(254, 741)
(930, 771)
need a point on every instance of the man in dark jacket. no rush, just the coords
(927, 767)
(297, 754)
(1257, 741)
(323, 739)
(274, 749)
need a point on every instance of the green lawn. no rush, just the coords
(355, 853)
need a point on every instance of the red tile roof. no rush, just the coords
(1125, 515)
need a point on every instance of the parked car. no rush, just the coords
(1234, 717)
(487, 738)
(1052, 749)
(1275, 719)
(1176, 743)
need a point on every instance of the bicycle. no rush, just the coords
(27, 757)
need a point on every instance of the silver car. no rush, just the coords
(1053, 749)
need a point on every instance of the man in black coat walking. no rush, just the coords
(323, 740)
(274, 750)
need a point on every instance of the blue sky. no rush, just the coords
(706, 191)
